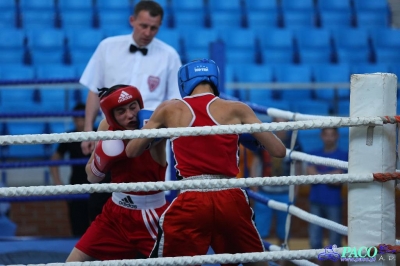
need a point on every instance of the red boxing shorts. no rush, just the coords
(121, 232)
(196, 220)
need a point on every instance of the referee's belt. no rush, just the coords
(135, 202)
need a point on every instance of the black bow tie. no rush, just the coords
(134, 49)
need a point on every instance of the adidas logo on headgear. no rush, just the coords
(124, 96)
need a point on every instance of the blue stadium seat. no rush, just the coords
(12, 43)
(46, 39)
(298, 19)
(277, 38)
(369, 68)
(76, 96)
(239, 38)
(353, 55)
(38, 5)
(171, 37)
(294, 74)
(113, 20)
(56, 72)
(335, 19)
(38, 19)
(114, 5)
(82, 46)
(277, 46)
(387, 55)
(334, 5)
(310, 140)
(311, 107)
(226, 19)
(343, 108)
(313, 38)
(395, 69)
(314, 45)
(79, 5)
(46, 46)
(314, 56)
(187, 20)
(218, 5)
(187, 5)
(53, 99)
(261, 5)
(18, 100)
(370, 5)
(76, 19)
(200, 40)
(8, 19)
(304, 5)
(17, 72)
(372, 19)
(256, 74)
(8, 5)
(277, 56)
(355, 38)
(12, 57)
(262, 19)
(11, 38)
(385, 38)
(192, 54)
(237, 55)
(332, 74)
(25, 151)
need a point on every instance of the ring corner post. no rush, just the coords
(371, 206)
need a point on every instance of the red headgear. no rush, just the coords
(116, 98)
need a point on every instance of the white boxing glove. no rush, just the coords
(105, 154)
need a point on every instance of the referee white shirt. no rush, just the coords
(154, 74)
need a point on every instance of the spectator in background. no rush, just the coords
(326, 199)
(78, 209)
(136, 59)
(273, 166)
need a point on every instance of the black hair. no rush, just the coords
(152, 7)
(79, 107)
(103, 92)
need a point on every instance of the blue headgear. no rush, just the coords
(195, 72)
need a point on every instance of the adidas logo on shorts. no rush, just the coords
(124, 96)
(127, 202)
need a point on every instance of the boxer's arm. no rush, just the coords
(267, 139)
(136, 147)
(103, 126)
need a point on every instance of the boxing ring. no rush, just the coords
(370, 178)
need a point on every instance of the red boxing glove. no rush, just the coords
(105, 154)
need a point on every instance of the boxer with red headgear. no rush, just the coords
(127, 226)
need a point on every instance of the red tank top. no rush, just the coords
(205, 155)
(139, 169)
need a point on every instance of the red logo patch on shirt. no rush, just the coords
(153, 82)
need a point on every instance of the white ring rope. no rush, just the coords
(306, 216)
(278, 113)
(301, 156)
(296, 262)
(185, 184)
(192, 131)
(206, 259)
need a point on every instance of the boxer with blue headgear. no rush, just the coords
(196, 72)
(200, 218)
